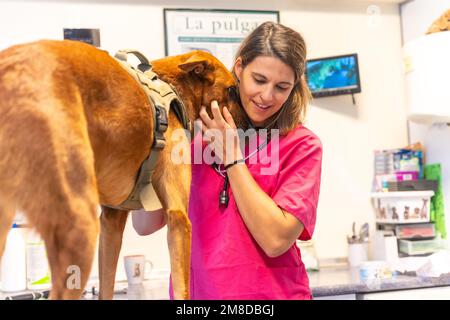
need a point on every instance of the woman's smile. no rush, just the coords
(261, 106)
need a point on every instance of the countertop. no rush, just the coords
(345, 280)
(326, 282)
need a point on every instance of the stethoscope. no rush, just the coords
(219, 168)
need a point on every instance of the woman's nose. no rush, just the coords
(266, 94)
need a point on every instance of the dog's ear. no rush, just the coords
(200, 66)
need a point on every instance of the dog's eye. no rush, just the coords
(232, 93)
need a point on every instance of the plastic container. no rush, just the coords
(13, 265)
(38, 271)
(385, 246)
(415, 231)
(374, 270)
(402, 206)
(419, 247)
(309, 256)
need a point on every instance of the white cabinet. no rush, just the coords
(426, 62)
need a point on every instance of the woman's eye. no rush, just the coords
(259, 81)
(282, 88)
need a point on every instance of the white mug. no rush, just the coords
(135, 268)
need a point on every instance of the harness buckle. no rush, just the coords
(162, 124)
(162, 121)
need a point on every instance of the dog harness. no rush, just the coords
(163, 97)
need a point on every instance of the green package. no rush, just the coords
(437, 212)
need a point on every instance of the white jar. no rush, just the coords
(357, 253)
(13, 265)
(38, 271)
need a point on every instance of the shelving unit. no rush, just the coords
(407, 215)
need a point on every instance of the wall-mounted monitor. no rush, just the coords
(332, 76)
(91, 36)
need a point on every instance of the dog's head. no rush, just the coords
(200, 78)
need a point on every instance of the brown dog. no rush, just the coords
(74, 130)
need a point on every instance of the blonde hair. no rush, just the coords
(275, 40)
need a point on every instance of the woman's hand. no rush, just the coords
(221, 134)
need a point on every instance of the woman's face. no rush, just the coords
(265, 84)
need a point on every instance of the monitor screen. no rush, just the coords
(333, 75)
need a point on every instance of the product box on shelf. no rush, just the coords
(411, 185)
(402, 206)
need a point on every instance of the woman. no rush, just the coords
(245, 247)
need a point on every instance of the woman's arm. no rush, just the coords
(274, 229)
(148, 222)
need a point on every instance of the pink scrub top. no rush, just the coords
(226, 262)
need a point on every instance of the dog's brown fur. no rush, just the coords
(440, 24)
(74, 129)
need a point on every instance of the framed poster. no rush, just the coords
(217, 31)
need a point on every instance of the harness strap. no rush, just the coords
(162, 97)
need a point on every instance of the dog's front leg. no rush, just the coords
(179, 242)
(172, 180)
(113, 223)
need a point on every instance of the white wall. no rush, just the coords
(416, 18)
(349, 132)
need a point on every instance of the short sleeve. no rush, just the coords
(298, 184)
